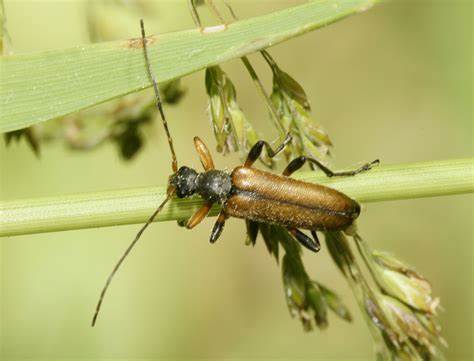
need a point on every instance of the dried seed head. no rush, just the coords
(402, 282)
(378, 318)
(400, 330)
(415, 337)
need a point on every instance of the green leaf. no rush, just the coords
(42, 86)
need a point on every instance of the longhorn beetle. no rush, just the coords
(252, 194)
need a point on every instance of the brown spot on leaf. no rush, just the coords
(136, 43)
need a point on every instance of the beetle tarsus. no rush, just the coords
(297, 163)
(312, 245)
(218, 227)
(316, 240)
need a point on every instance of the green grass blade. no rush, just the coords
(43, 86)
(131, 206)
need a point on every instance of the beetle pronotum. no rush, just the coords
(252, 194)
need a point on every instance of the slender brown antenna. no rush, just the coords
(125, 254)
(159, 105)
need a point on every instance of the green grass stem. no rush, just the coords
(129, 206)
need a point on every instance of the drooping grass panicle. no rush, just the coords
(232, 129)
(307, 299)
(399, 310)
(293, 109)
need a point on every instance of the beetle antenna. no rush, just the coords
(159, 104)
(125, 254)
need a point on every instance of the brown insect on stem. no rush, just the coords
(254, 195)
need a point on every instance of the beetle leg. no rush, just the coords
(305, 240)
(200, 214)
(204, 154)
(316, 239)
(257, 148)
(294, 165)
(218, 227)
(297, 163)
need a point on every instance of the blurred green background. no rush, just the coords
(394, 83)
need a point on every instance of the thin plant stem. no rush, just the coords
(366, 255)
(269, 59)
(261, 90)
(131, 206)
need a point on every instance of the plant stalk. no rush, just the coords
(129, 206)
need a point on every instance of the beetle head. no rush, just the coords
(183, 181)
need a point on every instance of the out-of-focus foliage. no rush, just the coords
(118, 122)
(121, 121)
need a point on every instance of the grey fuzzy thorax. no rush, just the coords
(214, 185)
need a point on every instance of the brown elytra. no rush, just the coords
(269, 198)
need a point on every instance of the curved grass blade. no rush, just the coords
(42, 86)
